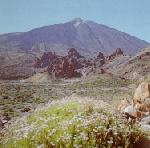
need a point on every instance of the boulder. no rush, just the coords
(142, 92)
(124, 103)
(141, 106)
(133, 113)
(141, 99)
(4, 121)
(145, 121)
(129, 109)
(138, 114)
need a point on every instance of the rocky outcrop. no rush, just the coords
(72, 65)
(75, 63)
(72, 53)
(45, 60)
(117, 53)
(141, 99)
(139, 108)
(66, 66)
(101, 62)
(134, 113)
(100, 56)
(60, 68)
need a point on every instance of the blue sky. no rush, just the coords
(130, 16)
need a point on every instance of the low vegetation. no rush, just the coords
(72, 122)
(69, 122)
(15, 96)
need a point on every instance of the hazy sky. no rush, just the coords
(130, 16)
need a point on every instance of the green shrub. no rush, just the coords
(70, 123)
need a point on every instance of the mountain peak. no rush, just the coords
(87, 37)
(77, 20)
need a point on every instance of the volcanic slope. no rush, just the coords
(134, 68)
(86, 36)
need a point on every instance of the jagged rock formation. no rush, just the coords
(72, 65)
(118, 52)
(45, 60)
(72, 53)
(61, 66)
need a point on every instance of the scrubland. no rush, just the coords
(69, 113)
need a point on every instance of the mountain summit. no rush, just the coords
(85, 36)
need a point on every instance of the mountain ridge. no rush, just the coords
(86, 36)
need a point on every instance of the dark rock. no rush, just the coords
(101, 71)
(100, 56)
(72, 53)
(45, 60)
(50, 68)
(101, 62)
(65, 63)
(118, 52)
(25, 110)
(61, 67)
(72, 73)
(37, 63)
(7, 118)
(1, 124)
(75, 64)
